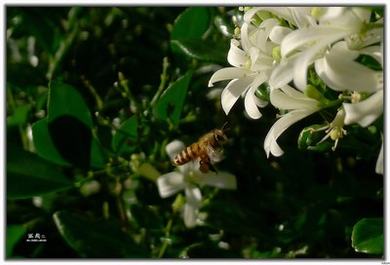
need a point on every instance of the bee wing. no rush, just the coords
(215, 155)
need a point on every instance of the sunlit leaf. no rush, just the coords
(192, 23)
(66, 100)
(367, 236)
(202, 50)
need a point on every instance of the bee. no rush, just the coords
(207, 149)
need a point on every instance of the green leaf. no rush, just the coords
(171, 102)
(98, 155)
(125, 136)
(96, 239)
(29, 175)
(66, 100)
(43, 144)
(203, 50)
(224, 26)
(14, 234)
(19, 117)
(191, 24)
(69, 124)
(367, 236)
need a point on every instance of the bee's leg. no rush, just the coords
(204, 163)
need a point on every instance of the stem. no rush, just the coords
(166, 241)
(124, 84)
(92, 90)
(54, 61)
(163, 81)
(122, 211)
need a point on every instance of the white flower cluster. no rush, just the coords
(276, 47)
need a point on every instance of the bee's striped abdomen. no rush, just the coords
(189, 153)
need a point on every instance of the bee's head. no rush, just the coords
(220, 136)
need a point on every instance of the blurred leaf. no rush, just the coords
(14, 234)
(96, 239)
(98, 155)
(367, 236)
(66, 100)
(171, 102)
(125, 136)
(224, 26)
(19, 117)
(28, 175)
(191, 24)
(202, 49)
(43, 144)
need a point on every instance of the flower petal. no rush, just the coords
(228, 73)
(282, 74)
(278, 33)
(236, 56)
(365, 112)
(191, 207)
(173, 148)
(233, 91)
(340, 72)
(244, 36)
(263, 33)
(301, 37)
(251, 101)
(302, 17)
(331, 13)
(193, 195)
(270, 144)
(363, 14)
(302, 63)
(170, 183)
(288, 98)
(221, 180)
(190, 215)
(379, 162)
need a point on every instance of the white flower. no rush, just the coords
(189, 178)
(253, 62)
(339, 70)
(299, 106)
(364, 112)
(310, 43)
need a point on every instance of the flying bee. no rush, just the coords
(207, 149)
